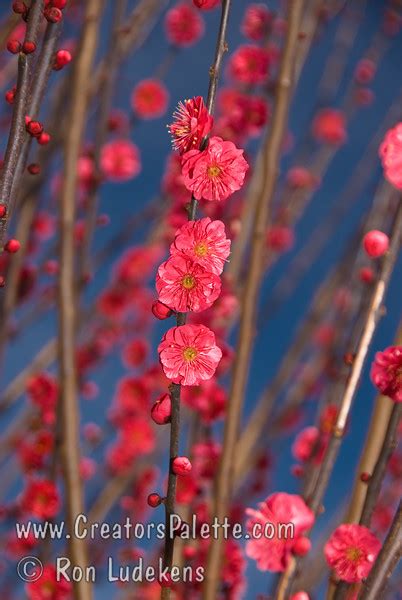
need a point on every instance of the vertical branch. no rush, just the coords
(106, 97)
(175, 389)
(38, 86)
(386, 562)
(271, 158)
(366, 337)
(68, 412)
(376, 479)
(17, 131)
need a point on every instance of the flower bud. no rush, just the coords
(12, 246)
(161, 410)
(181, 465)
(375, 243)
(302, 546)
(154, 500)
(161, 311)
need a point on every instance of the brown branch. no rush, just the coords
(69, 418)
(175, 389)
(17, 131)
(271, 158)
(386, 562)
(105, 104)
(373, 316)
(372, 448)
(374, 485)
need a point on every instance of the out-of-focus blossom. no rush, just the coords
(183, 25)
(386, 372)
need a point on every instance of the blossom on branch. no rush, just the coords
(186, 286)
(203, 241)
(192, 122)
(189, 354)
(216, 172)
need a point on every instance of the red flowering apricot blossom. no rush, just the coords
(206, 4)
(204, 242)
(280, 238)
(249, 65)
(391, 155)
(185, 286)
(375, 243)
(150, 99)
(256, 22)
(189, 354)
(304, 443)
(216, 172)
(41, 499)
(48, 586)
(351, 551)
(120, 160)
(183, 25)
(192, 122)
(329, 127)
(273, 553)
(386, 372)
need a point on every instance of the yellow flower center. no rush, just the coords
(188, 282)
(201, 249)
(213, 171)
(353, 554)
(189, 354)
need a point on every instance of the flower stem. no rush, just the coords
(175, 389)
(386, 562)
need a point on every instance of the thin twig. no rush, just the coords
(69, 418)
(17, 131)
(374, 485)
(373, 316)
(175, 389)
(386, 562)
(271, 158)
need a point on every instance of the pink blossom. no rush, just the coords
(279, 508)
(150, 99)
(192, 122)
(256, 22)
(249, 65)
(304, 443)
(184, 26)
(391, 155)
(386, 372)
(48, 587)
(329, 126)
(215, 173)
(189, 354)
(209, 400)
(351, 551)
(206, 4)
(186, 286)
(120, 160)
(204, 242)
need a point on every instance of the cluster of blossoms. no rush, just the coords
(189, 281)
